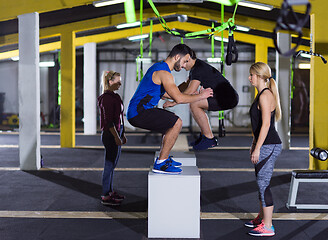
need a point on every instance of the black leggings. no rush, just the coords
(112, 154)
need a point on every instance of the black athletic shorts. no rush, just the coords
(225, 97)
(213, 104)
(155, 120)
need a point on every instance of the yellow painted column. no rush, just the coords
(318, 128)
(67, 108)
(261, 55)
(261, 52)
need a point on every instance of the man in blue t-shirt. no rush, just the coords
(224, 97)
(142, 112)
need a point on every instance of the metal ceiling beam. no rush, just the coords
(183, 9)
(11, 9)
(277, 4)
(104, 37)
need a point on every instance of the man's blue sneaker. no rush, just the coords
(197, 140)
(206, 143)
(166, 167)
(174, 163)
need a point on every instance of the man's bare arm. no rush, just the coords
(173, 91)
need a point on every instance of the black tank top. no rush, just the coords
(256, 121)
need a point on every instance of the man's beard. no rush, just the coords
(177, 66)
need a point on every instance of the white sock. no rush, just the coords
(160, 161)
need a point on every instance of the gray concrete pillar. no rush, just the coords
(283, 80)
(89, 89)
(29, 91)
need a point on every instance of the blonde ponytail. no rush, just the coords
(106, 77)
(273, 87)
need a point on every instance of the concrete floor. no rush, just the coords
(62, 201)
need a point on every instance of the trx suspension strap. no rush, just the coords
(225, 2)
(284, 24)
(292, 67)
(150, 37)
(222, 43)
(222, 131)
(312, 54)
(140, 57)
(212, 43)
(141, 40)
(200, 34)
(221, 113)
(232, 52)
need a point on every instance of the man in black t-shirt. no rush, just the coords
(224, 97)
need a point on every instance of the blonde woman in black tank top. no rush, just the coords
(266, 145)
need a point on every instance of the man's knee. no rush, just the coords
(178, 123)
(197, 105)
(194, 106)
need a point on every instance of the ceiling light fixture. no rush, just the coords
(144, 60)
(305, 55)
(47, 64)
(243, 28)
(126, 25)
(213, 60)
(304, 66)
(138, 37)
(106, 2)
(255, 5)
(220, 39)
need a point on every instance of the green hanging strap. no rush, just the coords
(181, 40)
(225, 2)
(292, 87)
(200, 34)
(221, 113)
(137, 62)
(150, 37)
(141, 42)
(221, 124)
(140, 57)
(222, 43)
(59, 79)
(212, 42)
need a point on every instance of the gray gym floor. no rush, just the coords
(62, 201)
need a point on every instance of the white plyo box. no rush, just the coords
(186, 158)
(174, 204)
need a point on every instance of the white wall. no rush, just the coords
(44, 95)
(9, 85)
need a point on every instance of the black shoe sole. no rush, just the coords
(110, 204)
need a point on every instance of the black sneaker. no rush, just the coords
(117, 196)
(110, 201)
(206, 143)
(197, 140)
